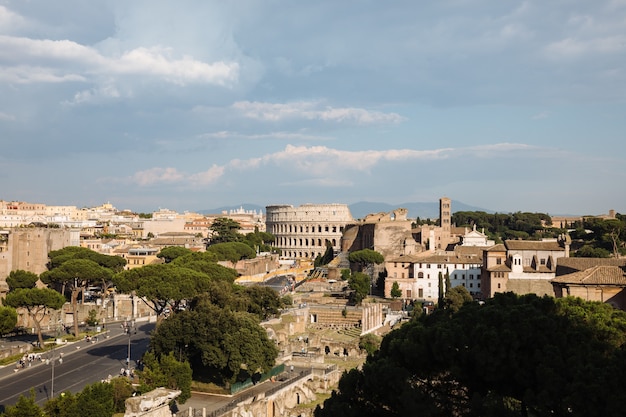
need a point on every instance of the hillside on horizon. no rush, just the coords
(362, 208)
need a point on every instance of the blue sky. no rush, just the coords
(190, 105)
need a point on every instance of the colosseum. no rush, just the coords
(302, 232)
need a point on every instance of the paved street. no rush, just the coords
(83, 363)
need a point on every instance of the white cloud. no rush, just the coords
(10, 21)
(319, 160)
(310, 110)
(224, 134)
(207, 177)
(24, 74)
(7, 116)
(575, 48)
(159, 62)
(95, 95)
(69, 61)
(157, 175)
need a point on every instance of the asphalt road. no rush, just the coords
(83, 363)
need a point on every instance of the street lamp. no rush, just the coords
(128, 326)
(51, 361)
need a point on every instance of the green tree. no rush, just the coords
(25, 407)
(205, 262)
(456, 297)
(360, 284)
(345, 274)
(170, 253)
(166, 371)
(97, 398)
(232, 251)
(365, 258)
(21, 279)
(76, 274)
(8, 319)
(221, 346)
(63, 405)
(224, 230)
(113, 263)
(260, 241)
(396, 292)
(441, 290)
(512, 356)
(36, 301)
(328, 255)
(162, 284)
(263, 302)
(370, 343)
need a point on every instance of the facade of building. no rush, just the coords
(302, 232)
(27, 248)
(523, 266)
(592, 279)
(418, 276)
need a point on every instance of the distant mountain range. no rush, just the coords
(363, 208)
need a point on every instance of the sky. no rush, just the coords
(191, 105)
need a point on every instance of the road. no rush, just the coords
(83, 363)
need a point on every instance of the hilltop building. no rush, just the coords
(418, 275)
(523, 266)
(592, 279)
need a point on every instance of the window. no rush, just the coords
(499, 261)
(408, 294)
(498, 285)
(471, 276)
(420, 275)
(542, 261)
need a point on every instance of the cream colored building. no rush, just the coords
(302, 232)
(418, 275)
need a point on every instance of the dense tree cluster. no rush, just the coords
(512, 356)
(600, 238)
(501, 226)
(592, 237)
(225, 230)
(100, 399)
(222, 345)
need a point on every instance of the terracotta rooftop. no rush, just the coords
(533, 245)
(597, 275)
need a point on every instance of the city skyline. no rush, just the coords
(508, 106)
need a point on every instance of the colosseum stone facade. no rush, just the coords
(302, 232)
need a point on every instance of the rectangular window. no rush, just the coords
(543, 261)
(408, 294)
(471, 276)
(499, 261)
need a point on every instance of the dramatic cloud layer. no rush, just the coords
(147, 104)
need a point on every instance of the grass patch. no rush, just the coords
(209, 388)
(320, 398)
